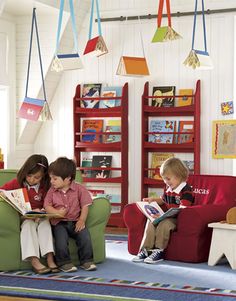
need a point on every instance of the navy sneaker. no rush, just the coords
(143, 254)
(156, 256)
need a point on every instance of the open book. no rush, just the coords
(154, 212)
(19, 200)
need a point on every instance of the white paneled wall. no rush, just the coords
(165, 63)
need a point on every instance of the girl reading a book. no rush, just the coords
(177, 193)
(36, 234)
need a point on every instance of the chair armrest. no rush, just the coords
(99, 212)
(193, 220)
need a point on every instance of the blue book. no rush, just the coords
(162, 128)
(110, 92)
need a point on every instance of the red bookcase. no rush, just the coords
(191, 111)
(80, 147)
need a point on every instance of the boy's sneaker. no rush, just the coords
(68, 267)
(143, 254)
(88, 266)
(156, 256)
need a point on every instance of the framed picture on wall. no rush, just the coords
(224, 139)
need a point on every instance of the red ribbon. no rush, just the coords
(160, 11)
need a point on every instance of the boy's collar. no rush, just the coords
(177, 189)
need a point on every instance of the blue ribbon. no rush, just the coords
(34, 23)
(91, 20)
(72, 15)
(204, 52)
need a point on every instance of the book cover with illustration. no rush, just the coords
(155, 213)
(92, 126)
(156, 161)
(103, 162)
(89, 91)
(186, 98)
(110, 92)
(86, 162)
(190, 165)
(166, 96)
(185, 126)
(161, 131)
(111, 127)
(95, 192)
(19, 200)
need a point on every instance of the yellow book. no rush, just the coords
(186, 99)
(156, 161)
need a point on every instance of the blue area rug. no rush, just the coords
(118, 278)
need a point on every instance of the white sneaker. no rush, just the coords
(88, 266)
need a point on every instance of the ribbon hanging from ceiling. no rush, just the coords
(164, 33)
(199, 59)
(32, 108)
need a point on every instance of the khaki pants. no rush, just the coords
(157, 237)
(36, 238)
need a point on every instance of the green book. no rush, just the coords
(160, 34)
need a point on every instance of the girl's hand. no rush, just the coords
(80, 225)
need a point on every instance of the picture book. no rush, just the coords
(186, 98)
(92, 126)
(103, 162)
(19, 200)
(154, 212)
(113, 198)
(86, 162)
(190, 165)
(113, 126)
(165, 96)
(96, 192)
(156, 161)
(161, 130)
(132, 66)
(90, 91)
(227, 108)
(110, 92)
(185, 126)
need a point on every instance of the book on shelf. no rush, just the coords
(113, 198)
(110, 92)
(166, 96)
(92, 126)
(185, 126)
(86, 162)
(95, 192)
(156, 161)
(115, 209)
(186, 98)
(162, 130)
(19, 200)
(190, 165)
(155, 213)
(89, 91)
(103, 162)
(113, 125)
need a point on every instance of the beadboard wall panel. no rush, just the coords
(165, 63)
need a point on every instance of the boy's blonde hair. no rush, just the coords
(176, 167)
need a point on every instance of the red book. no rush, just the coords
(96, 46)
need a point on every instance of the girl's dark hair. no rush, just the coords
(63, 167)
(32, 165)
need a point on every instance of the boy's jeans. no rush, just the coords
(62, 231)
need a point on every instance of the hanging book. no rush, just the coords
(165, 96)
(164, 33)
(96, 47)
(103, 162)
(160, 131)
(68, 61)
(132, 66)
(90, 91)
(31, 108)
(92, 126)
(186, 98)
(186, 126)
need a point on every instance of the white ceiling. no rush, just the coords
(25, 7)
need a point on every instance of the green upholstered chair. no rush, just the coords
(10, 252)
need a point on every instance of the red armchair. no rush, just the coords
(214, 195)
